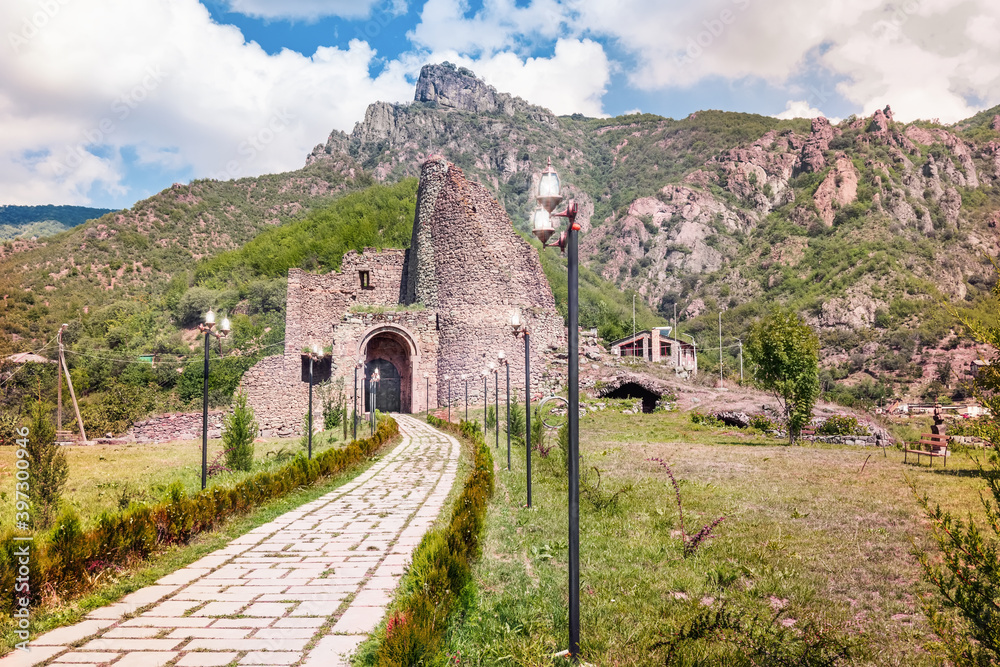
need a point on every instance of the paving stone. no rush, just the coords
(283, 580)
(205, 659)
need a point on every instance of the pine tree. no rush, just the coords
(239, 431)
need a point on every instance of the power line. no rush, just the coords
(22, 366)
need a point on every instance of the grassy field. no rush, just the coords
(816, 542)
(107, 477)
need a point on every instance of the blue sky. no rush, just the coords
(105, 102)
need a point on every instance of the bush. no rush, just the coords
(239, 430)
(763, 423)
(442, 566)
(841, 425)
(706, 420)
(138, 531)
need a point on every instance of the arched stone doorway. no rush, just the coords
(391, 350)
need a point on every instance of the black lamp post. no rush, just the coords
(548, 198)
(206, 327)
(522, 330)
(503, 362)
(486, 400)
(373, 387)
(427, 384)
(447, 378)
(314, 353)
(496, 403)
(465, 379)
(354, 417)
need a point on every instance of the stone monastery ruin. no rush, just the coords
(441, 308)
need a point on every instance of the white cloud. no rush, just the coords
(304, 9)
(162, 78)
(801, 109)
(500, 25)
(573, 80)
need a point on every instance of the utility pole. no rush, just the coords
(633, 320)
(677, 354)
(69, 382)
(741, 361)
(720, 349)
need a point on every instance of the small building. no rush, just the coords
(976, 366)
(29, 358)
(657, 346)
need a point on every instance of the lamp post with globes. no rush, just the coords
(520, 329)
(486, 399)
(360, 364)
(502, 357)
(206, 327)
(447, 378)
(315, 352)
(427, 388)
(373, 386)
(548, 198)
(496, 403)
(465, 379)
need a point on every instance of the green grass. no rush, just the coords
(805, 530)
(100, 476)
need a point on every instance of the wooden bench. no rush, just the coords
(930, 445)
(808, 433)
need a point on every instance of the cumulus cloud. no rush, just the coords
(307, 9)
(160, 78)
(801, 109)
(573, 80)
(500, 25)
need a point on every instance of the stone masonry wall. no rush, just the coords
(277, 395)
(175, 426)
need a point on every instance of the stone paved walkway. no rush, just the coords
(304, 589)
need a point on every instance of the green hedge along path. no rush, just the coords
(305, 588)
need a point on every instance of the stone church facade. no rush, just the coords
(440, 308)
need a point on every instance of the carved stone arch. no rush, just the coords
(395, 345)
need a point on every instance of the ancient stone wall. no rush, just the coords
(277, 394)
(175, 426)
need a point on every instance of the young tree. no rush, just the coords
(47, 465)
(239, 430)
(783, 352)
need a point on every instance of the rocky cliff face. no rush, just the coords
(717, 208)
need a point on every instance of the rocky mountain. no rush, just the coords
(863, 226)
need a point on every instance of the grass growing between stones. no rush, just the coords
(815, 546)
(103, 478)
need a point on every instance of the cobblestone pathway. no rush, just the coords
(304, 589)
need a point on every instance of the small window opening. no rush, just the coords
(365, 278)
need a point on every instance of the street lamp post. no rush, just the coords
(465, 379)
(548, 198)
(206, 327)
(314, 353)
(427, 383)
(496, 403)
(447, 378)
(520, 329)
(373, 387)
(503, 362)
(354, 417)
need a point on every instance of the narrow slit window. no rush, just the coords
(365, 278)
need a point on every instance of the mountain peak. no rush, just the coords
(453, 87)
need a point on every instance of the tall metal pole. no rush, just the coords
(496, 405)
(427, 382)
(486, 400)
(354, 417)
(507, 428)
(204, 421)
(741, 362)
(720, 349)
(633, 319)
(449, 400)
(310, 406)
(466, 399)
(527, 412)
(59, 390)
(677, 357)
(574, 439)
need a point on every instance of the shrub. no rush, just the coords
(841, 425)
(763, 423)
(441, 567)
(239, 430)
(706, 420)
